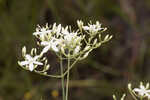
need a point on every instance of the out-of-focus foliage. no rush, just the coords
(106, 71)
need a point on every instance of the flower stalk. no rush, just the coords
(68, 74)
(62, 79)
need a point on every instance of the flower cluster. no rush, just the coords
(65, 42)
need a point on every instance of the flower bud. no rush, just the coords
(80, 24)
(24, 51)
(46, 67)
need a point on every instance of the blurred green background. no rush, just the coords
(106, 71)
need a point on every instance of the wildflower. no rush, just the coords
(42, 32)
(50, 44)
(30, 62)
(93, 28)
(67, 45)
(142, 90)
(71, 37)
(63, 41)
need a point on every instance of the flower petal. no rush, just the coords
(45, 49)
(22, 63)
(45, 43)
(31, 66)
(28, 57)
(86, 28)
(36, 57)
(137, 90)
(37, 63)
(55, 48)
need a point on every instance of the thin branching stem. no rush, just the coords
(68, 74)
(62, 79)
(132, 95)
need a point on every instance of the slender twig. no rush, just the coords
(70, 68)
(68, 74)
(49, 75)
(132, 95)
(62, 79)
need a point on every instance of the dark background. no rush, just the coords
(106, 71)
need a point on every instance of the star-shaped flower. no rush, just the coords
(42, 32)
(143, 90)
(52, 44)
(93, 28)
(30, 62)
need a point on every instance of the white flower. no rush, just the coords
(65, 31)
(30, 62)
(42, 32)
(93, 28)
(72, 40)
(46, 30)
(142, 90)
(52, 44)
(56, 29)
(69, 37)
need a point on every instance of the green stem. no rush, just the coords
(67, 84)
(62, 79)
(70, 67)
(132, 94)
(55, 76)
